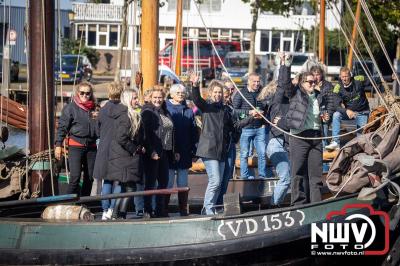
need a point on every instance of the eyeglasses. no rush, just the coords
(87, 93)
(311, 82)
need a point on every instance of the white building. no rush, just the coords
(226, 19)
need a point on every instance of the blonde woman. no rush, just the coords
(159, 144)
(107, 129)
(77, 123)
(125, 158)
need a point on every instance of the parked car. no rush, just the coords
(206, 58)
(14, 69)
(237, 65)
(72, 69)
(163, 73)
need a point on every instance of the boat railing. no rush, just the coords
(73, 198)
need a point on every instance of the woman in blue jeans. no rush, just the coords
(217, 126)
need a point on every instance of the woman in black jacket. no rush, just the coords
(304, 119)
(125, 155)
(159, 145)
(77, 123)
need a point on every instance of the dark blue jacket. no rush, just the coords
(186, 135)
(106, 131)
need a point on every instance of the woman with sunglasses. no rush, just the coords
(78, 124)
(304, 119)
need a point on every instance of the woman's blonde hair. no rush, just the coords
(158, 88)
(214, 83)
(134, 116)
(268, 90)
(114, 90)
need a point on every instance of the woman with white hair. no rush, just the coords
(126, 149)
(185, 149)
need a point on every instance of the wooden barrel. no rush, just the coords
(67, 212)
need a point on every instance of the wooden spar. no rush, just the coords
(117, 74)
(149, 43)
(41, 61)
(321, 48)
(178, 37)
(354, 35)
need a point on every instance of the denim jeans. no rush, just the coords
(181, 177)
(279, 157)
(361, 120)
(215, 170)
(325, 132)
(228, 172)
(138, 200)
(258, 137)
(109, 187)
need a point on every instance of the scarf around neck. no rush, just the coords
(87, 106)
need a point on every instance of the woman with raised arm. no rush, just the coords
(218, 124)
(304, 119)
(77, 122)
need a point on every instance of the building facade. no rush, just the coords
(13, 18)
(99, 25)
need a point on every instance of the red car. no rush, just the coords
(204, 56)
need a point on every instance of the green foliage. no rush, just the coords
(72, 47)
(277, 7)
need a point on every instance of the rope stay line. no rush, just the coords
(359, 57)
(378, 36)
(258, 111)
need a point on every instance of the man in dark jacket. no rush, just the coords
(351, 92)
(329, 99)
(255, 131)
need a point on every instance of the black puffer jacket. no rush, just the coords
(153, 127)
(216, 129)
(106, 131)
(298, 107)
(125, 158)
(77, 124)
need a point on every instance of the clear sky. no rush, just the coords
(65, 4)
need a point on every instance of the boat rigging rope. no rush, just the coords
(27, 18)
(255, 109)
(46, 67)
(357, 54)
(378, 36)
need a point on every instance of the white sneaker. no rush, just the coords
(104, 216)
(332, 146)
(109, 213)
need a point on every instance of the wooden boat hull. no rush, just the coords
(139, 241)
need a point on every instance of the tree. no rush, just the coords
(257, 6)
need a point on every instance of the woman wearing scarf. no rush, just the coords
(77, 123)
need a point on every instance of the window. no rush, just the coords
(172, 5)
(102, 35)
(210, 6)
(92, 35)
(67, 32)
(298, 41)
(275, 41)
(113, 36)
(264, 44)
(81, 31)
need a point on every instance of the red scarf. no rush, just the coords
(87, 106)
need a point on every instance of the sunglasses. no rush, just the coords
(87, 93)
(311, 82)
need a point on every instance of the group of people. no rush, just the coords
(128, 147)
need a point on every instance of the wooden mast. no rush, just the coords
(354, 35)
(40, 116)
(178, 37)
(321, 47)
(149, 43)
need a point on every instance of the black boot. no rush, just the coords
(183, 203)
